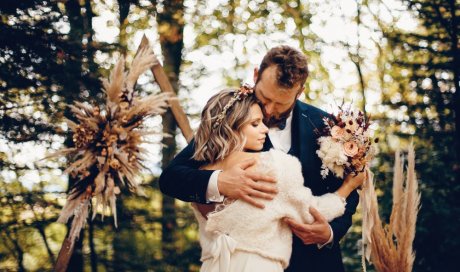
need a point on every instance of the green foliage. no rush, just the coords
(240, 30)
(419, 97)
(38, 79)
(49, 57)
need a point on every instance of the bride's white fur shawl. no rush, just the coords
(262, 231)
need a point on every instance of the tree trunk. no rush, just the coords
(74, 64)
(17, 250)
(93, 253)
(76, 263)
(456, 71)
(171, 26)
(123, 11)
(41, 230)
(88, 47)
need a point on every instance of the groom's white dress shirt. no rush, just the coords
(281, 140)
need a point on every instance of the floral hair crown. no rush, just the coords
(244, 91)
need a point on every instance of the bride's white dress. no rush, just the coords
(240, 237)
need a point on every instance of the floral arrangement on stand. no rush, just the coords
(108, 155)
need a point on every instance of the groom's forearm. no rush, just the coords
(181, 179)
(340, 225)
(184, 183)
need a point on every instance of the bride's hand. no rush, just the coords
(356, 181)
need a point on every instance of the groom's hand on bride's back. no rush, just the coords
(239, 182)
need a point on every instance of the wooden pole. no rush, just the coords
(64, 256)
(165, 86)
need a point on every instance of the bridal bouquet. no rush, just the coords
(107, 153)
(345, 144)
(345, 147)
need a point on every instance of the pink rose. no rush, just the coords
(350, 148)
(337, 132)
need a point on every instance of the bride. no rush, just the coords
(234, 235)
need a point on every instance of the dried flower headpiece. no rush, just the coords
(244, 91)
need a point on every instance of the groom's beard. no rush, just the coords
(272, 121)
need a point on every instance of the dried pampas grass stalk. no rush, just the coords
(390, 246)
(108, 155)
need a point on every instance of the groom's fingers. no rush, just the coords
(265, 188)
(258, 194)
(252, 201)
(303, 231)
(296, 226)
(315, 233)
(247, 163)
(245, 185)
(260, 177)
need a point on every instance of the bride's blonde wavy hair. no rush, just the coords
(216, 143)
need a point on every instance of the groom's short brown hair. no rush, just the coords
(292, 66)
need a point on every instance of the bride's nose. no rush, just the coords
(264, 129)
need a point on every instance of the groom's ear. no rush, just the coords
(300, 91)
(298, 95)
(256, 75)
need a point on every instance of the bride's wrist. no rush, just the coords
(345, 189)
(342, 198)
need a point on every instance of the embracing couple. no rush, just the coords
(253, 176)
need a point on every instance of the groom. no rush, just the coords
(279, 81)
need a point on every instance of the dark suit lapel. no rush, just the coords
(295, 131)
(303, 138)
(299, 133)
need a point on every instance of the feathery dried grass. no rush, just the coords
(391, 244)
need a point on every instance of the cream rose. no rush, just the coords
(337, 132)
(350, 148)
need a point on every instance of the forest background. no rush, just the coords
(397, 60)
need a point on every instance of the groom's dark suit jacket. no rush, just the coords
(182, 180)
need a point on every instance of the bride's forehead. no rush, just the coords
(255, 110)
